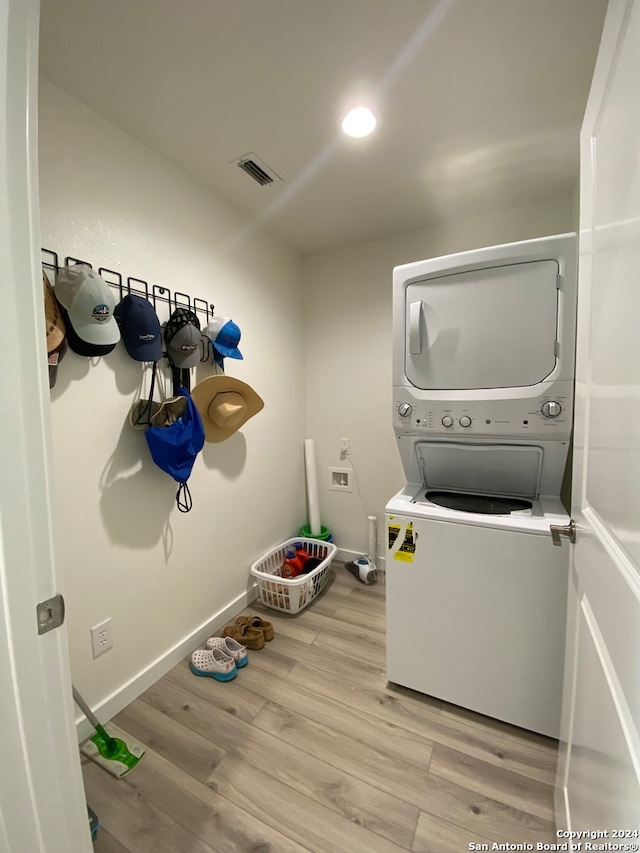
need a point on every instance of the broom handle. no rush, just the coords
(86, 710)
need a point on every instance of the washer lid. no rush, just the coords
(481, 469)
(493, 327)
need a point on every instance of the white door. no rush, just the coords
(598, 786)
(42, 807)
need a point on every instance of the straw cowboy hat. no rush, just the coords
(225, 404)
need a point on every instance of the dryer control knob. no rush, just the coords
(405, 409)
(447, 421)
(551, 409)
(465, 421)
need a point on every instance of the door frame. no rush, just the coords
(42, 804)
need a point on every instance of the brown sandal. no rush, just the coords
(250, 637)
(260, 624)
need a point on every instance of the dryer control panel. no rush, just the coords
(547, 416)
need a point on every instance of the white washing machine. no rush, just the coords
(476, 608)
(483, 398)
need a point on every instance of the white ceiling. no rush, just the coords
(480, 101)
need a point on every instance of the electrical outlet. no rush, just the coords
(101, 638)
(340, 479)
(345, 447)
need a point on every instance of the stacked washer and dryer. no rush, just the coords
(483, 370)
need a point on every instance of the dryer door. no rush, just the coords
(487, 328)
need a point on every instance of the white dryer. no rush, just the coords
(483, 396)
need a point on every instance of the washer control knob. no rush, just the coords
(551, 409)
(465, 421)
(405, 409)
(447, 421)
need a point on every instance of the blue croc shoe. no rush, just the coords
(214, 664)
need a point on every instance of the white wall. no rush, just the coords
(347, 305)
(165, 578)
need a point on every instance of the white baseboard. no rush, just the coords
(126, 694)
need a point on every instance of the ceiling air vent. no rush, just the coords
(257, 170)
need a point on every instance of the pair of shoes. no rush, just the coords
(252, 638)
(260, 624)
(250, 631)
(220, 659)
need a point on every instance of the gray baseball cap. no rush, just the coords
(183, 338)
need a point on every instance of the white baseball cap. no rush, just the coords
(89, 302)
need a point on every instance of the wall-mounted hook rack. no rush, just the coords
(155, 292)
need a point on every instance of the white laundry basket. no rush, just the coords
(291, 595)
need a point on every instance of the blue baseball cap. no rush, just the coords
(225, 336)
(139, 328)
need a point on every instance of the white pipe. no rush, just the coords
(312, 487)
(373, 539)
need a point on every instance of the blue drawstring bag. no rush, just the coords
(174, 448)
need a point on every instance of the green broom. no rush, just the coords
(105, 747)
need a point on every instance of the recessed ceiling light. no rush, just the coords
(359, 122)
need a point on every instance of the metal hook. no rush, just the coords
(160, 294)
(54, 256)
(137, 290)
(181, 305)
(70, 261)
(205, 309)
(117, 284)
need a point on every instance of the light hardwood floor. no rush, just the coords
(309, 749)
